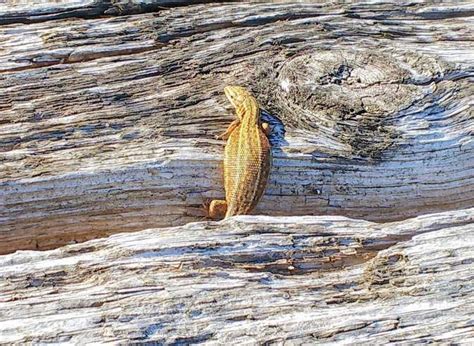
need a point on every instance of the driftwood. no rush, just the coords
(107, 120)
(251, 279)
(108, 110)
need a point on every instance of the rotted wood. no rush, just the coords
(250, 279)
(107, 123)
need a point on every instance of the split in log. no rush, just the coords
(250, 279)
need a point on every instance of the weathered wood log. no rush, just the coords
(252, 279)
(44, 10)
(107, 124)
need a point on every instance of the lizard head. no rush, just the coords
(236, 95)
(239, 97)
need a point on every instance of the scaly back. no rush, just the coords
(247, 155)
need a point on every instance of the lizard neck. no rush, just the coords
(249, 111)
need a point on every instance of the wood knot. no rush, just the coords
(348, 96)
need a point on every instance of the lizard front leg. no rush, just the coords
(217, 209)
(229, 130)
(266, 129)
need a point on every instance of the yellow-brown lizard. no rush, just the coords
(247, 157)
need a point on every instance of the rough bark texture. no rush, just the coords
(107, 121)
(251, 279)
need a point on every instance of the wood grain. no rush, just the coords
(250, 279)
(107, 123)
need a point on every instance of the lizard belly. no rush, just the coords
(246, 168)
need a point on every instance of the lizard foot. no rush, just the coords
(266, 129)
(215, 209)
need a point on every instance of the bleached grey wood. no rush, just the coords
(251, 279)
(33, 11)
(107, 124)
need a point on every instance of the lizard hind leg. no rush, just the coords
(217, 209)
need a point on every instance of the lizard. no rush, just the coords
(247, 157)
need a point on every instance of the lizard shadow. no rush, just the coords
(277, 141)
